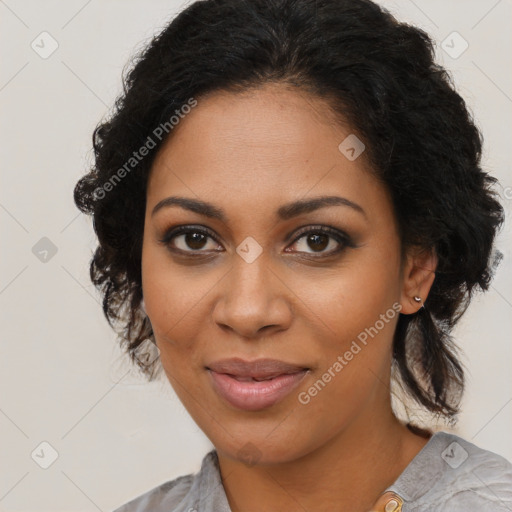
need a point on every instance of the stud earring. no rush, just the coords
(418, 300)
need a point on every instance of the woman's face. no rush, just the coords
(266, 281)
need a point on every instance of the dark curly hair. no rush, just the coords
(377, 74)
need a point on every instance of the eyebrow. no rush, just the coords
(285, 212)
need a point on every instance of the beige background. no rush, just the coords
(63, 379)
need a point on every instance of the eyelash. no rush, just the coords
(342, 238)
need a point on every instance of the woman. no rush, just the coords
(289, 203)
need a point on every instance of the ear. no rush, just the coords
(418, 276)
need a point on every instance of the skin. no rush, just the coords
(249, 153)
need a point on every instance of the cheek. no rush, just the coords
(352, 298)
(173, 302)
(173, 296)
(356, 313)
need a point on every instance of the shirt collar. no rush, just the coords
(208, 495)
(424, 470)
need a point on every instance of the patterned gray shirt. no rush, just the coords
(449, 474)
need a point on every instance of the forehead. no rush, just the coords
(275, 143)
(272, 121)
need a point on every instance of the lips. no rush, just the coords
(254, 385)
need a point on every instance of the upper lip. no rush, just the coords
(258, 369)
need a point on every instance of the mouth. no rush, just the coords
(255, 385)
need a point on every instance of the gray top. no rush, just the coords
(449, 474)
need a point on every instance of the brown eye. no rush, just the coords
(192, 240)
(322, 238)
(317, 242)
(188, 239)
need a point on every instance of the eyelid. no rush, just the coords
(323, 228)
(173, 232)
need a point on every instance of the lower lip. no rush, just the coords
(254, 395)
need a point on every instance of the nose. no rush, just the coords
(254, 300)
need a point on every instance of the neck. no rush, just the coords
(349, 472)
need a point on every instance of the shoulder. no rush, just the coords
(182, 493)
(453, 474)
(476, 476)
(165, 497)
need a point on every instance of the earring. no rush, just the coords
(418, 300)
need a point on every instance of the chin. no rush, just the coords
(253, 450)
